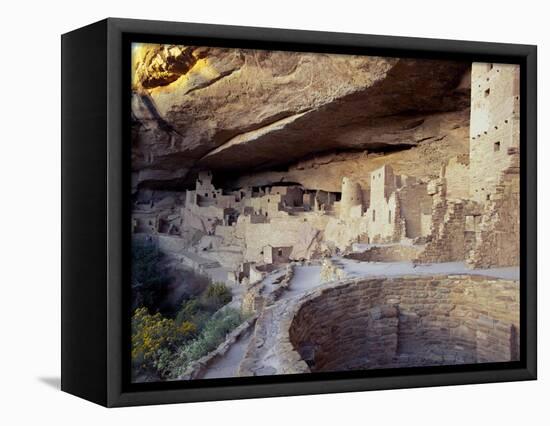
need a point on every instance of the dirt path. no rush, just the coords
(227, 365)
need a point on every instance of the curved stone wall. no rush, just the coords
(407, 321)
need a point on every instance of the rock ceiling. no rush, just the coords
(241, 111)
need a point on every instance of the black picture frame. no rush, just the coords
(95, 212)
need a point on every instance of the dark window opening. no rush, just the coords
(487, 92)
(374, 215)
(389, 216)
(279, 252)
(496, 146)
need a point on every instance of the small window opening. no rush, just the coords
(374, 215)
(496, 146)
(279, 252)
(389, 216)
(487, 92)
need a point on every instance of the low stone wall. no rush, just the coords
(331, 272)
(255, 300)
(282, 285)
(404, 321)
(255, 275)
(392, 253)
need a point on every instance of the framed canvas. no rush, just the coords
(253, 212)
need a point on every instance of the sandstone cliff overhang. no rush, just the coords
(249, 110)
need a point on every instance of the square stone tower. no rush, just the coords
(382, 184)
(494, 125)
(204, 182)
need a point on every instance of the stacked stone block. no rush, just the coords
(408, 321)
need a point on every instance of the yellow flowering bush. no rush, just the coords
(188, 329)
(153, 336)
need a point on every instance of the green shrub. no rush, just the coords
(188, 311)
(147, 277)
(212, 335)
(215, 296)
(193, 311)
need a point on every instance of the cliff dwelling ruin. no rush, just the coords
(352, 202)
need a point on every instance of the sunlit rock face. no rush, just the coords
(230, 110)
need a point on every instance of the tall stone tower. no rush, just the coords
(382, 184)
(351, 204)
(204, 181)
(494, 126)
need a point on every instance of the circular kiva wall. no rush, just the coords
(409, 321)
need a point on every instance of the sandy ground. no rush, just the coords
(307, 277)
(304, 279)
(358, 268)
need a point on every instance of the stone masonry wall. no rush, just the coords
(407, 321)
(497, 242)
(457, 175)
(483, 226)
(385, 223)
(446, 236)
(494, 125)
(302, 235)
(352, 199)
(416, 207)
(390, 253)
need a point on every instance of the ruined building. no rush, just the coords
(482, 228)
(470, 212)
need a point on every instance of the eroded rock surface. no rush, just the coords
(233, 109)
